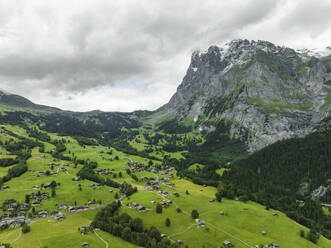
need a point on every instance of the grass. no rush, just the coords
(235, 225)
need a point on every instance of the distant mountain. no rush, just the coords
(13, 100)
(267, 92)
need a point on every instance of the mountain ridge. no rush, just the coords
(272, 91)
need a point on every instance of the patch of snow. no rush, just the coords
(3, 92)
(316, 52)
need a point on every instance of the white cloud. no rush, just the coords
(132, 54)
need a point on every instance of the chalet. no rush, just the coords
(21, 214)
(227, 243)
(71, 209)
(85, 244)
(134, 205)
(35, 204)
(36, 187)
(24, 206)
(141, 208)
(59, 216)
(200, 223)
(54, 212)
(43, 214)
(47, 186)
(10, 200)
(163, 203)
(76, 178)
(63, 206)
(12, 206)
(6, 216)
(179, 242)
(15, 223)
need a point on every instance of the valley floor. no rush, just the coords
(241, 223)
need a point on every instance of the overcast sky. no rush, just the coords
(124, 55)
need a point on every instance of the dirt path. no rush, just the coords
(18, 237)
(210, 224)
(104, 241)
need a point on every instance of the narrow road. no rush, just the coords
(104, 241)
(18, 237)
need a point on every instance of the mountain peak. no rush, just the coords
(274, 91)
(3, 92)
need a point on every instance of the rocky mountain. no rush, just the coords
(12, 100)
(271, 92)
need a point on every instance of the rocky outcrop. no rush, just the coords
(274, 92)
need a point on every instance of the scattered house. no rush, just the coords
(43, 214)
(6, 216)
(42, 156)
(54, 212)
(47, 186)
(24, 206)
(163, 235)
(142, 208)
(4, 187)
(12, 206)
(92, 186)
(211, 200)
(15, 223)
(21, 214)
(221, 213)
(36, 187)
(10, 200)
(264, 233)
(273, 245)
(35, 204)
(227, 243)
(85, 244)
(200, 223)
(111, 191)
(245, 208)
(76, 178)
(60, 216)
(63, 206)
(179, 242)
(275, 215)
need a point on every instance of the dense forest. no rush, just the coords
(284, 174)
(132, 230)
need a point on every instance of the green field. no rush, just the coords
(241, 223)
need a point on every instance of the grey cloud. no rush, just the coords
(311, 16)
(79, 46)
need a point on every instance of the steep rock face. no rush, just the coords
(273, 92)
